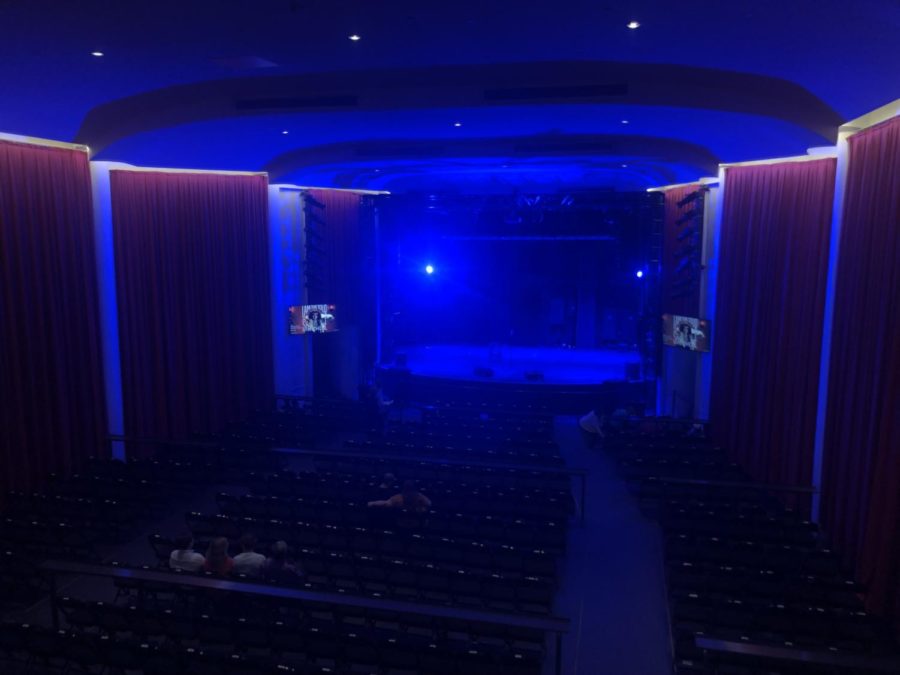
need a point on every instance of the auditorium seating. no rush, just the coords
(491, 543)
(741, 565)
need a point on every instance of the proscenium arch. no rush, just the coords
(462, 86)
(575, 146)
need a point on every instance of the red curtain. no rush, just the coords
(53, 413)
(773, 263)
(678, 296)
(192, 276)
(342, 217)
(861, 470)
(340, 361)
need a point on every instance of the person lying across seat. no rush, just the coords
(409, 498)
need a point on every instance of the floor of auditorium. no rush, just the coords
(612, 586)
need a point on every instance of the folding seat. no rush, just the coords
(396, 658)
(535, 597)
(285, 638)
(44, 646)
(539, 565)
(213, 632)
(477, 556)
(13, 643)
(435, 588)
(403, 583)
(436, 663)
(119, 655)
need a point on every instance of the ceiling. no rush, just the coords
(486, 96)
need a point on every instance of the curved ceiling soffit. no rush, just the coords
(382, 151)
(461, 86)
(399, 180)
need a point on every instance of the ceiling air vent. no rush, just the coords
(296, 103)
(554, 93)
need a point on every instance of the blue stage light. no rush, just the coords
(429, 269)
(639, 274)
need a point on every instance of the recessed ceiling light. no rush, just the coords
(355, 37)
(624, 166)
(624, 121)
(285, 132)
(96, 53)
(457, 124)
(633, 24)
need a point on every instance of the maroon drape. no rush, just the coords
(340, 360)
(342, 216)
(52, 409)
(192, 277)
(773, 262)
(861, 470)
(683, 300)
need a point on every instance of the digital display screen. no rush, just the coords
(686, 332)
(303, 319)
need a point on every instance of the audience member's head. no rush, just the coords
(184, 542)
(279, 553)
(248, 542)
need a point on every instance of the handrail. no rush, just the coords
(887, 664)
(548, 624)
(804, 489)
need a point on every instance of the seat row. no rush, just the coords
(740, 566)
(450, 496)
(423, 471)
(456, 452)
(537, 533)
(311, 635)
(396, 543)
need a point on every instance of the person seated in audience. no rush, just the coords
(217, 559)
(410, 498)
(184, 557)
(279, 568)
(248, 561)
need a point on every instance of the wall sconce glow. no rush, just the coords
(634, 25)
(624, 166)
(457, 124)
(355, 38)
(98, 54)
(624, 121)
(429, 269)
(639, 274)
(285, 132)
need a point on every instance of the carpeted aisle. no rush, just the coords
(612, 586)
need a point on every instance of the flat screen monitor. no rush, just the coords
(686, 332)
(303, 319)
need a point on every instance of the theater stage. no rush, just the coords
(509, 364)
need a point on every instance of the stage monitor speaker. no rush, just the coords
(481, 371)
(632, 372)
(534, 376)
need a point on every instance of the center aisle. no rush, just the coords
(612, 584)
